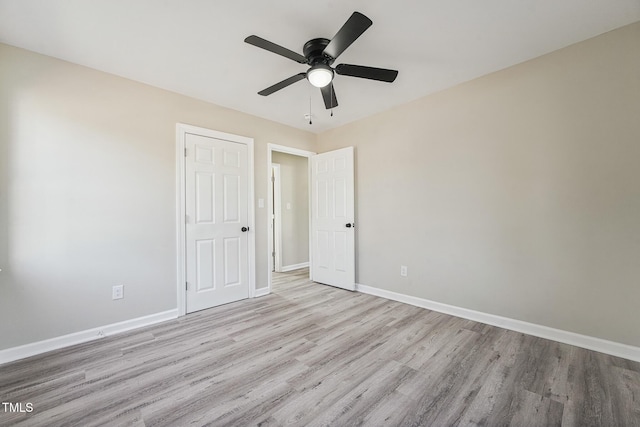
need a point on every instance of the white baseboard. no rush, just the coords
(292, 267)
(32, 349)
(591, 343)
(261, 292)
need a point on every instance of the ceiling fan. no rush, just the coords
(320, 53)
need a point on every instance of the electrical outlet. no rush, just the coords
(117, 292)
(403, 270)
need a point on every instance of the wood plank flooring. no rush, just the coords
(313, 355)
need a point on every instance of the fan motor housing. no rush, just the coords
(313, 49)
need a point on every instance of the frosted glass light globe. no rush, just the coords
(320, 75)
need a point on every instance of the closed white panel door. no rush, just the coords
(216, 196)
(332, 216)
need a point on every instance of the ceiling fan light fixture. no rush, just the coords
(320, 75)
(319, 54)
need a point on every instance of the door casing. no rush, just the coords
(277, 218)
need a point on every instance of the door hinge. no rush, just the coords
(273, 179)
(186, 286)
(185, 152)
(273, 254)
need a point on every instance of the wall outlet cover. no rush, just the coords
(117, 292)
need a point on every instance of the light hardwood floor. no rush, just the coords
(314, 355)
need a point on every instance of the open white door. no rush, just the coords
(332, 219)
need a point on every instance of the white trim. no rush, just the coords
(591, 343)
(252, 218)
(296, 152)
(294, 267)
(181, 232)
(181, 131)
(277, 214)
(290, 150)
(39, 347)
(262, 292)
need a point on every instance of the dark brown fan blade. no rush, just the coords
(281, 85)
(272, 47)
(372, 73)
(329, 96)
(350, 31)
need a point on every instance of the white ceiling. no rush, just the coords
(196, 48)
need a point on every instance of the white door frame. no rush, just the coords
(296, 152)
(181, 131)
(277, 220)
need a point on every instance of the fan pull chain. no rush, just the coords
(310, 122)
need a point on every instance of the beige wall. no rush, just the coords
(87, 194)
(294, 179)
(516, 194)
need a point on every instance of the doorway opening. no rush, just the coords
(288, 210)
